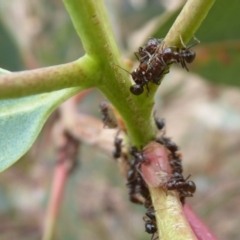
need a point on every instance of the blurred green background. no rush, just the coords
(201, 109)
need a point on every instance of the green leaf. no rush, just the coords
(22, 119)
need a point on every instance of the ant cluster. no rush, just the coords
(177, 182)
(138, 188)
(154, 61)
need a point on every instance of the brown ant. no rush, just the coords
(143, 75)
(118, 147)
(144, 53)
(108, 117)
(176, 54)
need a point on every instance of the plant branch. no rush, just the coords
(92, 25)
(171, 220)
(187, 23)
(79, 73)
(66, 162)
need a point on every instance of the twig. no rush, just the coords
(66, 161)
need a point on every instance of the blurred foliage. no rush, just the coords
(201, 117)
(218, 54)
(10, 57)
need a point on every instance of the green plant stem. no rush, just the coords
(25, 83)
(171, 220)
(187, 23)
(91, 23)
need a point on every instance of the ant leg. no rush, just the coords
(156, 237)
(185, 66)
(194, 44)
(136, 55)
(147, 90)
(183, 44)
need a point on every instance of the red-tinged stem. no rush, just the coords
(171, 221)
(59, 182)
(66, 161)
(199, 228)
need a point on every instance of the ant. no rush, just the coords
(143, 75)
(184, 187)
(144, 53)
(176, 54)
(136, 186)
(139, 77)
(160, 123)
(108, 117)
(171, 146)
(138, 189)
(176, 165)
(118, 147)
(137, 155)
(150, 222)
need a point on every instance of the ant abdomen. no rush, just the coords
(136, 89)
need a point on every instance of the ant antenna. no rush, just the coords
(124, 69)
(188, 177)
(194, 44)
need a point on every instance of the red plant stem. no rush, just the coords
(199, 228)
(66, 162)
(59, 182)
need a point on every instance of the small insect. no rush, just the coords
(150, 222)
(145, 74)
(138, 189)
(176, 54)
(176, 165)
(160, 123)
(108, 117)
(118, 147)
(144, 53)
(171, 146)
(184, 187)
(138, 155)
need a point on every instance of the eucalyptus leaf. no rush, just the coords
(22, 119)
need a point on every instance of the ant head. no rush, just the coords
(160, 123)
(168, 53)
(191, 186)
(151, 45)
(150, 227)
(190, 56)
(136, 89)
(104, 105)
